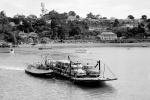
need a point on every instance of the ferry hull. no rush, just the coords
(91, 80)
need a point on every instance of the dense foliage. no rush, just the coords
(58, 26)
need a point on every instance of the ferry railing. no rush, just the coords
(104, 68)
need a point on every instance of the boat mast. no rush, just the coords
(99, 63)
(70, 69)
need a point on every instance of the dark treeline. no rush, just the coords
(61, 26)
(52, 25)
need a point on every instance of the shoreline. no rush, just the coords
(84, 45)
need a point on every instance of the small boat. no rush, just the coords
(41, 48)
(38, 70)
(33, 44)
(81, 51)
(144, 45)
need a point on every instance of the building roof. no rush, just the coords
(107, 33)
(63, 61)
(12, 24)
(33, 34)
(72, 18)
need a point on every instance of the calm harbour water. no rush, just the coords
(131, 66)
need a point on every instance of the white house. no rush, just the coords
(71, 18)
(107, 36)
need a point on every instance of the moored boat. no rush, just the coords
(144, 45)
(42, 48)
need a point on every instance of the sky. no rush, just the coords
(106, 8)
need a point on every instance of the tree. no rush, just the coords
(75, 31)
(62, 32)
(90, 15)
(4, 23)
(147, 29)
(116, 23)
(2, 14)
(148, 20)
(20, 16)
(98, 16)
(32, 17)
(121, 31)
(72, 13)
(55, 15)
(3, 18)
(104, 17)
(7, 30)
(78, 16)
(130, 17)
(144, 17)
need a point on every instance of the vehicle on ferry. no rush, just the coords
(91, 71)
(68, 69)
(77, 70)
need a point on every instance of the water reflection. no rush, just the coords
(98, 90)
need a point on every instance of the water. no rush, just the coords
(131, 66)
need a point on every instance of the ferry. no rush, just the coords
(78, 72)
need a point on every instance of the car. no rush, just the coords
(77, 71)
(91, 71)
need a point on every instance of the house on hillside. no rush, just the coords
(100, 29)
(71, 18)
(106, 36)
(129, 23)
(48, 21)
(12, 24)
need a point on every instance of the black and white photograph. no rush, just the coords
(74, 50)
